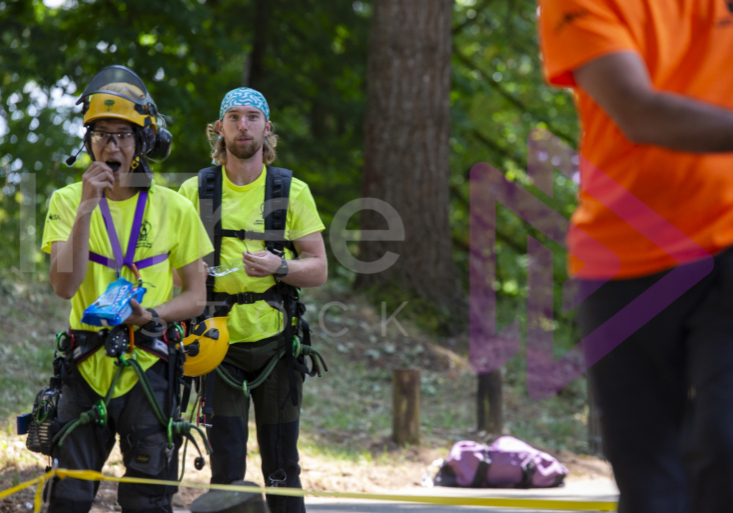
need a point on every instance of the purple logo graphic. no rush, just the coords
(545, 375)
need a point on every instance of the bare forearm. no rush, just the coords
(186, 305)
(307, 272)
(620, 84)
(680, 123)
(70, 260)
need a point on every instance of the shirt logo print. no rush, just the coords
(145, 232)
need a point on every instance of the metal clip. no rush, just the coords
(169, 454)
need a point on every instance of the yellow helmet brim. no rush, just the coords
(105, 105)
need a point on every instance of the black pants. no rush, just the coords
(276, 418)
(143, 442)
(665, 395)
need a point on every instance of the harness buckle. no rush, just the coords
(245, 298)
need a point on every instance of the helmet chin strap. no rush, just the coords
(139, 164)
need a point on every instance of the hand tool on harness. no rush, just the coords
(44, 423)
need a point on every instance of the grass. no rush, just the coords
(347, 414)
(31, 317)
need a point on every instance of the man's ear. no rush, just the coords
(218, 126)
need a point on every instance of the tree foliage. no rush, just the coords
(189, 53)
(310, 60)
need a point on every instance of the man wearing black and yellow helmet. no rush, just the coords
(118, 222)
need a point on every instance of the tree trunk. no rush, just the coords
(407, 147)
(489, 399)
(254, 66)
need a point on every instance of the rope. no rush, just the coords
(97, 413)
(185, 444)
(245, 385)
(298, 350)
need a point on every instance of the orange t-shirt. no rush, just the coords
(686, 45)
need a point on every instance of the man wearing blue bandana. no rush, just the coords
(256, 280)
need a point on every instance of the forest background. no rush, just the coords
(311, 60)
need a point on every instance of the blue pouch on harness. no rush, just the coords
(113, 307)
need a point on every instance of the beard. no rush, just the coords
(244, 151)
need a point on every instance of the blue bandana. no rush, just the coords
(244, 96)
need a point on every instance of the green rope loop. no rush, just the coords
(296, 346)
(58, 341)
(101, 410)
(126, 361)
(170, 433)
(148, 391)
(44, 410)
(246, 386)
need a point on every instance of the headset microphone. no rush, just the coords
(70, 161)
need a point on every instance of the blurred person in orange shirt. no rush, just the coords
(653, 83)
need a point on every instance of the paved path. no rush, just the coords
(600, 490)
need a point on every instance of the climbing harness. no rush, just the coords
(123, 340)
(295, 343)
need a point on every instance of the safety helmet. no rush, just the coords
(205, 346)
(108, 104)
(117, 92)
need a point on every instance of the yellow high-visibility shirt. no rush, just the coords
(242, 208)
(170, 225)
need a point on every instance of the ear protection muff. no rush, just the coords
(144, 140)
(155, 145)
(162, 147)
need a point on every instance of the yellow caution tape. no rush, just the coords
(22, 486)
(546, 504)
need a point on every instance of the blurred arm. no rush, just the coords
(620, 84)
(69, 259)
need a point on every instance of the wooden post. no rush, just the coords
(220, 501)
(489, 403)
(406, 407)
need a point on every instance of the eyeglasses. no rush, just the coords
(122, 139)
(221, 270)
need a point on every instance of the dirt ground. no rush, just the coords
(338, 452)
(407, 470)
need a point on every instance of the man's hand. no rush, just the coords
(261, 264)
(95, 180)
(139, 316)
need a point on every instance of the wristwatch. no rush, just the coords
(156, 317)
(282, 271)
(155, 327)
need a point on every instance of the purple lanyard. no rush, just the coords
(134, 233)
(118, 262)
